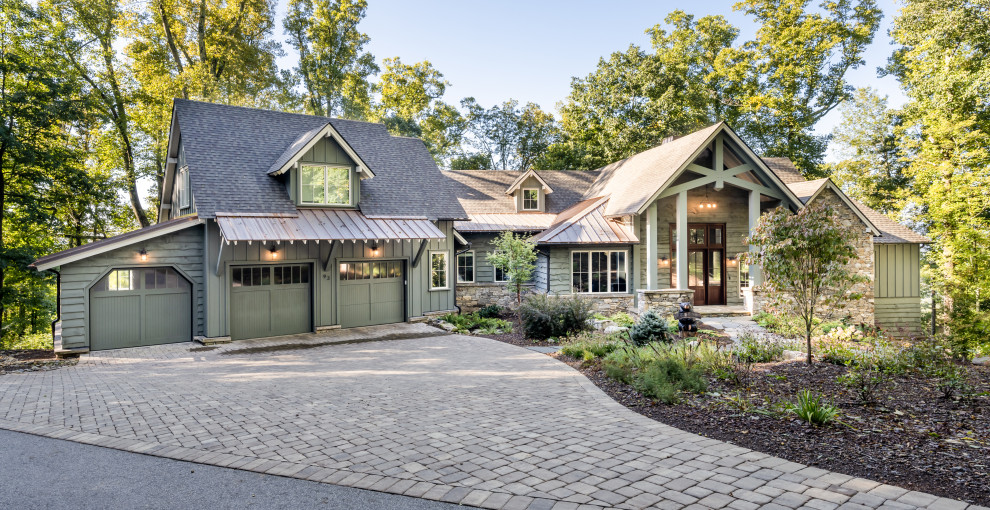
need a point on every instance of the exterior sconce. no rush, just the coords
(663, 262)
(374, 249)
(143, 254)
(273, 251)
(733, 261)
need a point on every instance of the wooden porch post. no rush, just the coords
(682, 241)
(754, 215)
(651, 247)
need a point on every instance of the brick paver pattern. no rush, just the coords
(449, 418)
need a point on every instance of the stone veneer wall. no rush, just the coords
(860, 311)
(610, 304)
(664, 300)
(472, 296)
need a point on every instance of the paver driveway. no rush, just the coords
(450, 418)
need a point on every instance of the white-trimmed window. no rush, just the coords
(743, 275)
(182, 185)
(531, 199)
(438, 270)
(465, 267)
(324, 185)
(501, 276)
(599, 271)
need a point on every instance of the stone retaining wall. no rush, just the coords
(610, 304)
(472, 296)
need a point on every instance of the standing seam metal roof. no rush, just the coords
(324, 224)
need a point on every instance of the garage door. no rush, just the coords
(135, 307)
(270, 300)
(371, 293)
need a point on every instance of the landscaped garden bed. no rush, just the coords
(922, 424)
(31, 360)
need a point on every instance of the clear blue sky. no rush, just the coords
(530, 50)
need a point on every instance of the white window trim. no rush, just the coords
(446, 270)
(523, 196)
(608, 272)
(183, 182)
(473, 267)
(325, 167)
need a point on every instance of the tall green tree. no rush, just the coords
(333, 65)
(215, 51)
(510, 136)
(87, 34)
(871, 161)
(411, 104)
(516, 256)
(943, 65)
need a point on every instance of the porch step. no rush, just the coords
(712, 311)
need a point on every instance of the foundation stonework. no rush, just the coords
(610, 304)
(664, 300)
(473, 296)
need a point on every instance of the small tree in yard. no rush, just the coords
(515, 256)
(805, 259)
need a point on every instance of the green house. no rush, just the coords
(276, 223)
(668, 225)
(271, 224)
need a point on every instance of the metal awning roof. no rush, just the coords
(323, 224)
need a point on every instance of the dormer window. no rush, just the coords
(325, 185)
(531, 199)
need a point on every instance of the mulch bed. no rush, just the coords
(912, 436)
(517, 337)
(31, 360)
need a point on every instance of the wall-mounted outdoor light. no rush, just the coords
(273, 252)
(374, 248)
(143, 254)
(663, 262)
(732, 261)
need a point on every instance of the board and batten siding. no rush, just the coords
(327, 151)
(420, 299)
(897, 286)
(176, 211)
(182, 250)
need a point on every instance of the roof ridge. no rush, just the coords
(281, 112)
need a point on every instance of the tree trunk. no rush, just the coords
(808, 337)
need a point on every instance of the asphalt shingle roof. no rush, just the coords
(483, 191)
(231, 149)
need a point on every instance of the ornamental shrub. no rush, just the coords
(652, 327)
(490, 312)
(545, 316)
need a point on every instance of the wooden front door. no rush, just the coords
(706, 262)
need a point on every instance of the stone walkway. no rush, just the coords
(449, 418)
(733, 326)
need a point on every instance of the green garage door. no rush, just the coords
(371, 293)
(135, 307)
(270, 300)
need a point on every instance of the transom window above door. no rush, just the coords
(325, 185)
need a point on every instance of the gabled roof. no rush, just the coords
(585, 223)
(306, 142)
(633, 183)
(809, 190)
(230, 150)
(112, 243)
(483, 191)
(888, 231)
(522, 178)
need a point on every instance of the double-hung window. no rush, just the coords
(465, 267)
(501, 275)
(599, 271)
(325, 185)
(438, 270)
(531, 199)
